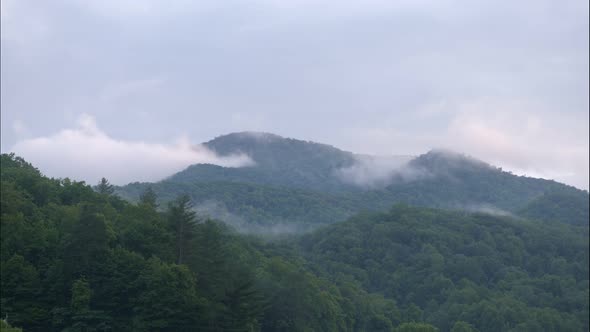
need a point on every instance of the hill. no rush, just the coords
(496, 273)
(72, 258)
(319, 184)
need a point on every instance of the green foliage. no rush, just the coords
(569, 207)
(149, 198)
(182, 218)
(491, 272)
(297, 182)
(73, 259)
(104, 187)
(79, 260)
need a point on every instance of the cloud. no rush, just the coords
(87, 153)
(523, 136)
(485, 208)
(378, 171)
(386, 77)
(218, 210)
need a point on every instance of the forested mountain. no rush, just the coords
(278, 162)
(78, 259)
(306, 183)
(73, 259)
(496, 273)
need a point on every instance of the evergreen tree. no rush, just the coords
(104, 187)
(87, 247)
(182, 219)
(149, 198)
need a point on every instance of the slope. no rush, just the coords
(307, 183)
(496, 273)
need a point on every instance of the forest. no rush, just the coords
(297, 182)
(80, 258)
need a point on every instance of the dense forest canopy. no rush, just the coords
(80, 258)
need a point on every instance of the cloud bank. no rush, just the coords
(87, 153)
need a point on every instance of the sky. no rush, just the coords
(124, 88)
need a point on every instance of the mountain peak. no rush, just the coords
(446, 159)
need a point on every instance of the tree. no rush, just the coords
(88, 244)
(243, 305)
(19, 290)
(149, 198)
(104, 187)
(84, 319)
(168, 300)
(182, 219)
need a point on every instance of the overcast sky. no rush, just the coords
(503, 81)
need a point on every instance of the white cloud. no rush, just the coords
(521, 136)
(87, 153)
(374, 171)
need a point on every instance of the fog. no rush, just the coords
(217, 210)
(374, 172)
(86, 153)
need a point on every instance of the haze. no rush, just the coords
(505, 82)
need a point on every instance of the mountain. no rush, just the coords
(73, 259)
(571, 207)
(306, 183)
(452, 180)
(279, 162)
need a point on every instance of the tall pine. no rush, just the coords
(182, 219)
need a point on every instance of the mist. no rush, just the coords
(486, 209)
(86, 153)
(218, 211)
(373, 172)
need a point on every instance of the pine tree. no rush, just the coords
(149, 198)
(104, 187)
(182, 219)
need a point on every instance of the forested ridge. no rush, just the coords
(77, 258)
(294, 181)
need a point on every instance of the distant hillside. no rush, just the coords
(308, 183)
(496, 273)
(279, 162)
(448, 179)
(571, 207)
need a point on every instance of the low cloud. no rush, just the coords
(487, 209)
(522, 136)
(218, 210)
(379, 171)
(87, 153)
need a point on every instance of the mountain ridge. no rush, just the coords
(318, 183)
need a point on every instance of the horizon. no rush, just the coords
(243, 160)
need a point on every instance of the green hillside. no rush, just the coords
(300, 182)
(496, 273)
(73, 259)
